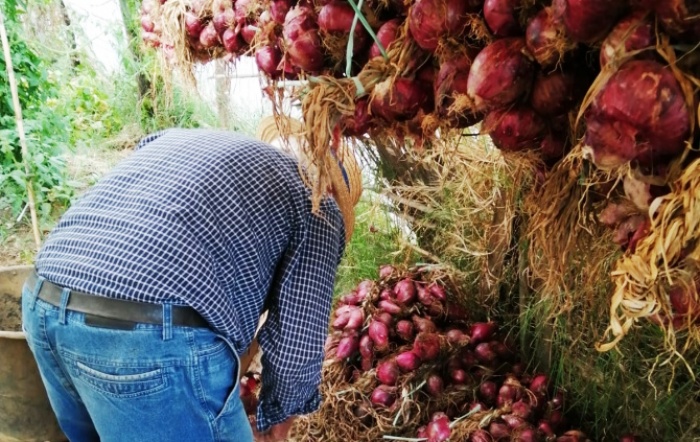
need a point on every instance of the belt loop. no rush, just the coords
(65, 294)
(35, 291)
(167, 321)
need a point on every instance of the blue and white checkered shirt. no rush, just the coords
(222, 223)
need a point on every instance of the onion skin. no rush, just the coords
(500, 74)
(279, 10)
(386, 36)
(389, 307)
(434, 385)
(680, 18)
(366, 347)
(451, 80)
(480, 436)
(336, 17)
(405, 330)
(631, 33)
(639, 115)
(553, 93)
(587, 21)
(515, 129)
(232, 40)
(405, 291)
(193, 25)
(429, 21)
(499, 430)
(208, 38)
(501, 17)
(423, 325)
(385, 317)
(347, 347)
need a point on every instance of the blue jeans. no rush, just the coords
(150, 383)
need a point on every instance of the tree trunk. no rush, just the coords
(75, 60)
(222, 91)
(132, 35)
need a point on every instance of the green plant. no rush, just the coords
(46, 131)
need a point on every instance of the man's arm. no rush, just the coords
(293, 336)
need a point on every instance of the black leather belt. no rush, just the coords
(102, 311)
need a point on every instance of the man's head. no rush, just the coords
(345, 173)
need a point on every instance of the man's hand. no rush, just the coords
(277, 433)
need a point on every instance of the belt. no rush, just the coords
(100, 310)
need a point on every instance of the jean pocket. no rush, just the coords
(217, 369)
(116, 380)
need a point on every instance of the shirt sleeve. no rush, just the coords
(293, 336)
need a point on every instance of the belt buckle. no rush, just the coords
(102, 322)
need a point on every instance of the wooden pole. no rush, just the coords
(20, 130)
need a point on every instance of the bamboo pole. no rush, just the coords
(20, 130)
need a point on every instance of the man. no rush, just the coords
(150, 288)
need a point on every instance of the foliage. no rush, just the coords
(46, 131)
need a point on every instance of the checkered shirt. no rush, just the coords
(222, 223)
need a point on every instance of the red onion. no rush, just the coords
(147, 23)
(480, 436)
(389, 307)
(572, 436)
(488, 392)
(303, 43)
(540, 385)
(356, 319)
(248, 33)
(366, 363)
(331, 340)
(388, 372)
(422, 432)
(500, 74)
(424, 324)
(507, 394)
(404, 330)
(482, 331)
(557, 420)
(459, 376)
(386, 295)
(398, 99)
(553, 93)
(341, 321)
(437, 291)
(515, 129)
(364, 289)
(637, 191)
(451, 81)
(424, 295)
(429, 21)
(379, 332)
(484, 353)
(434, 385)
(386, 36)
(526, 434)
(544, 38)
(279, 10)
(223, 20)
(405, 291)
(680, 18)
(193, 25)
(630, 34)
(639, 115)
(546, 429)
(385, 271)
(232, 40)
(344, 310)
(366, 346)
(336, 17)
(557, 401)
(456, 313)
(501, 16)
(457, 337)
(513, 421)
(587, 21)
(553, 146)
(347, 346)
(408, 361)
(467, 358)
(208, 38)
(383, 396)
(427, 346)
(499, 430)
(385, 317)
(244, 10)
(684, 301)
(439, 428)
(522, 409)
(629, 438)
